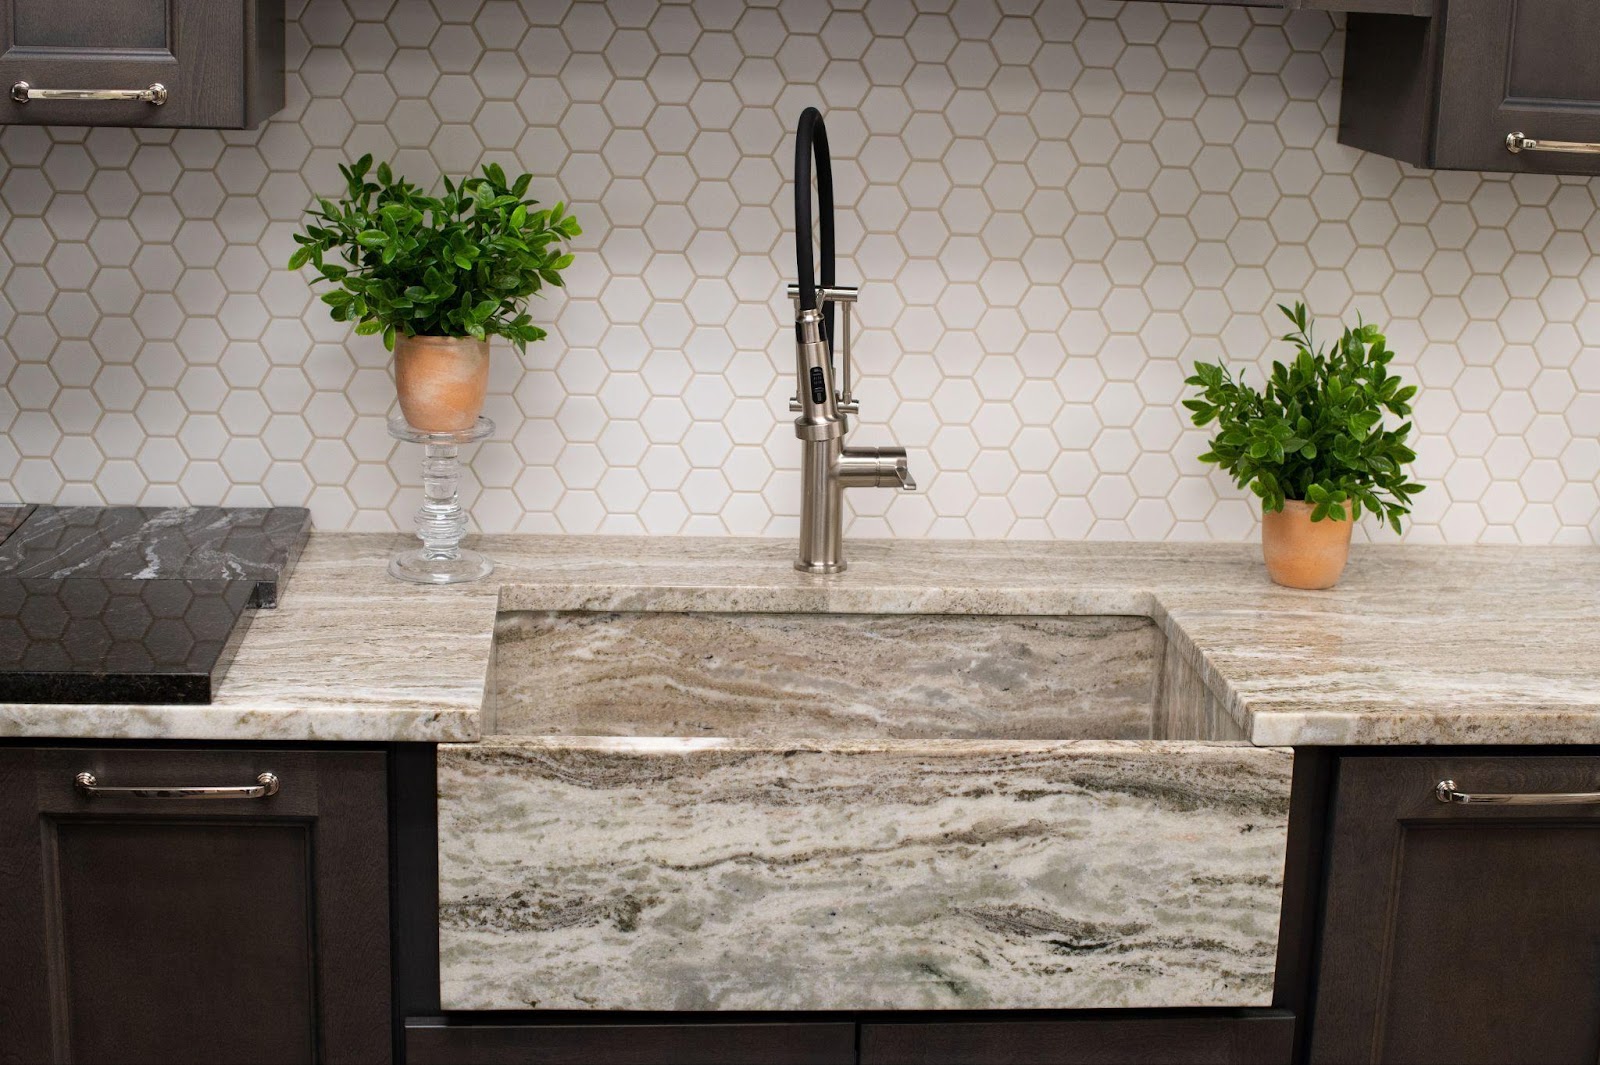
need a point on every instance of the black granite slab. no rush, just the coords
(98, 640)
(11, 517)
(258, 545)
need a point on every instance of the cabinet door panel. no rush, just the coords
(1461, 933)
(1519, 66)
(216, 916)
(90, 24)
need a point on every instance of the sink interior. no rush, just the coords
(818, 678)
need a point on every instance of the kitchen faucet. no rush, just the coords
(828, 467)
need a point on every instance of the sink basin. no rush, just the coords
(814, 811)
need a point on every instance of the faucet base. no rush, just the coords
(821, 567)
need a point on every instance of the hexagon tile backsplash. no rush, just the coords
(1053, 208)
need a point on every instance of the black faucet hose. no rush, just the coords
(811, 140)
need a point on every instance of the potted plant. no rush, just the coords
(437, 276)
(1313, 446)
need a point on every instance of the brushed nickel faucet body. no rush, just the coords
(824, 404)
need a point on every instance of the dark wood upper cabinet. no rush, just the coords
(1392, 7)
(216, 64)
(1460, 934)
(1447, 92)
(161, 929)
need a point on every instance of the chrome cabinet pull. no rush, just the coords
(1519, 142)
(1445, 791)
(156, 94)
(266, 785)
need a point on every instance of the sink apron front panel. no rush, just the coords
(700, 874)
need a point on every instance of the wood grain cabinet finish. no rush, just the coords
(1446, 92)
(220, 62)
(1460, 934)
(1392, 7)
(1255, 1037)
(162, 929)
(437, 1042)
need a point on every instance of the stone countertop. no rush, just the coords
(1418, 645)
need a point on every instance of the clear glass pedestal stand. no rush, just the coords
(441, 521)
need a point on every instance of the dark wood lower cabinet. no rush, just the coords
(1461, 933)
(1244, 1038)
(1258, 1038)
(171, 929)
(1249, 1037)
(430, 1042)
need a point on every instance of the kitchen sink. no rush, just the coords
(720, 811)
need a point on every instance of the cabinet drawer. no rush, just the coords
(219, 63)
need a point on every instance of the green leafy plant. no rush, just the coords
(1317, 432)
(462, 264)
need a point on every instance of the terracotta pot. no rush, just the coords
(441, 381)
(1302, 553)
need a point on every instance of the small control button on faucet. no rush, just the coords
(819, 386)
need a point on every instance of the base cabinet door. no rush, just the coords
(1257, 1037)
(1460, 933)
(162, 926)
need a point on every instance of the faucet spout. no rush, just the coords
(828, 466)
(875, 467)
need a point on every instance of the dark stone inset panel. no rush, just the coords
(259, 545)
(88, 640)
(11, 517)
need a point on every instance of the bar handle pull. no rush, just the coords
(1517, 143)
(265, 787)
(1445, 791)
(156, 94)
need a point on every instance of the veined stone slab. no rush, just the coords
(783, 677)
(255, 544)
(681, 874)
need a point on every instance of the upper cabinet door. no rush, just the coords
(210, 63)
(1447, 92)
(1528, 67)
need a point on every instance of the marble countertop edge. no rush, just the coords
(355, 724)
(931, 747)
